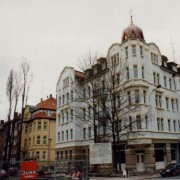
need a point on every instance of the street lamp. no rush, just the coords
(49, 145)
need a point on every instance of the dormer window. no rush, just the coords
(174, 68)
(103, 66)
(95, 70)
(165, 64)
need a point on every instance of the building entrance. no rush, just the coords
(140, 166)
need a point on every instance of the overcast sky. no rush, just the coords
(52, 34)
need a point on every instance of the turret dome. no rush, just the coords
(132, 31)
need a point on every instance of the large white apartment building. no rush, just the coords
(151, 79)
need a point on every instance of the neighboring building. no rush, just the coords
(150, 80)
(38, 135)
(10, 146)
(2, 139)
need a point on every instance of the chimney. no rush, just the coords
(41, 99)
(50, 95)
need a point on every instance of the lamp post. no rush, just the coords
(49, 145)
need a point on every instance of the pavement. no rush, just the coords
(141, 177)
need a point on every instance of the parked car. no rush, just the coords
(41, 173)
(3, 174)
(13, 171)
(171, 169)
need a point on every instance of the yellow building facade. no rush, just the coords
(38, 135)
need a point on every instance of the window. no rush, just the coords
(30, 127)
(137, 97)
(38, 140)
(89, 111)
(135, 71)
(25, 142)
(67, 133)
(72, 96)
(177, 105)
(84, 113)
(165, 81)
(67, 116)
(45, 125)
(142, 72)
(129, 97)
(133, 50)
(130, 123)
(89, 134)
(170, 83)
(158, 99)
(26, 129)
(117, 78)
(39, 125)
(71, 114)
(71, 134)
(172, 104)
(44, 155)
(59, 119)
(162, 124)
(159, 152)
(59, 101)
(158, 124)
(167, 103)
(141, 51)
(33, 140)
(169, 125)
(63, 99)
(174, 84)
(37, 154)
(146, 122)
(63, 116)
(127, 73)
(138, 119)
(84, 92)
(154, 77)
(29, 142)
(89, 91)
(67, 97)
(84, 133)
(59, 137)
(44, 139)
(126, 51)
(70, 154)
(144, 96)
(173, 153)
(158, 79)
(174, 125)
(66, 82)
(62, 136)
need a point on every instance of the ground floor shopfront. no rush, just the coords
(134, 158)
(151, 157)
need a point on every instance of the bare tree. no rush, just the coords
(26, 81)
(9, 93)
(105, 105)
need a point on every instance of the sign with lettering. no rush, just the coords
(100, 153)
(29, 170)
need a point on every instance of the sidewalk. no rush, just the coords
(130, 178)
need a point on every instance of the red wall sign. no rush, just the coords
(29, 170)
